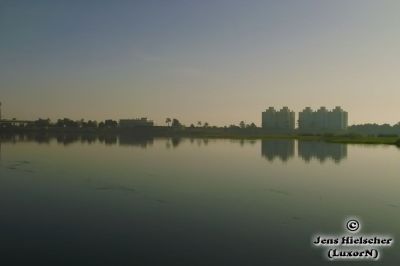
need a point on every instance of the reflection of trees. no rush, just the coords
(322, 151)
(200, 141)
(67, 139)
(11, 138)
(175, 142)
(90, 138)
(244, 142)
(41, 138)
(108, 139)
(132, 140)
(282, 149)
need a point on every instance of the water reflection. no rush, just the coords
(14, 138)
(67, 139)
(135, 141)
(148, 199)
(246, 141)
(176, 141)
(71, 138)
(280, 149)
(307, 150)
(108, 139)
(321, 151)
(88, 139)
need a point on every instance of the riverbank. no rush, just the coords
(332, 139)
(235, 133)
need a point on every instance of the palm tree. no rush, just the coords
(199, 123)
(205, 124)
(168, 120)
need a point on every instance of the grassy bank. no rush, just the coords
(345, 139)
(364, 140)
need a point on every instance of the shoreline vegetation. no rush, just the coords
(212, 132)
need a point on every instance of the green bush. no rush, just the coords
(398, 142)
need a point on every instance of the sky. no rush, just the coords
(215, 61)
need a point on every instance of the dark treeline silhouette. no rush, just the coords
(68, 123)
(174, 128)
(375, 129)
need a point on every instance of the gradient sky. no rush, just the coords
(215, 61)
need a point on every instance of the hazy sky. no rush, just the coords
(215, 61)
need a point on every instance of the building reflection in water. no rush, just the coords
(283, 149)
(307, 150)
(280, 149)
(137, 141)
(321, 151)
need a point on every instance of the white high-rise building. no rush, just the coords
(322, 119)
(283, 119)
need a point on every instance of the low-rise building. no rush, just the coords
(131, 123)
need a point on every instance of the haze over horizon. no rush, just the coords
(213, 61)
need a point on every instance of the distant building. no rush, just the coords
(282, 120)
(268, 119)
(338, 118)
(323, 120)
(131, 123)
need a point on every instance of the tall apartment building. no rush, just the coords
(323, 119)
(282, 120)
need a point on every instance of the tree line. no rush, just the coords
(109, 123)
(175, 123)
(362, 129)
(375, 129)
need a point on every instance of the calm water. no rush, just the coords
(127, 201)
